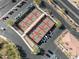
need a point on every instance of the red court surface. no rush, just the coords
(26, 22)
(42, 28)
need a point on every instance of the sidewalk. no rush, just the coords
(75, 3)
(69, 44)
(66, 17)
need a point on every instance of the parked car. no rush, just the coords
(2, 28)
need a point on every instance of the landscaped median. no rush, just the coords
(8, 49)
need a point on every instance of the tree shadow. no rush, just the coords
(23, 54)
(42, 52)
(62, 27)
(42, 4)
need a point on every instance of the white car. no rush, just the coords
(2, 28)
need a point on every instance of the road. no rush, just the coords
(57, 15)
(50, 45)
(15, 12)
(46, 46)
(13, 37)
(18, 41)
(71, 7)
(72, 12)
(62, 20)
(7, 7)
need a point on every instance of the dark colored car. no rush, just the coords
(50, 52)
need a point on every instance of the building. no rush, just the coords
(68, 44)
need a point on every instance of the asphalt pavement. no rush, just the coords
(57, 15)
(71, 6)
(7, 7)
(18, 41)
(9, 33)
(50, 45)
(72, 11)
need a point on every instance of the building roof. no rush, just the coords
(69, 43)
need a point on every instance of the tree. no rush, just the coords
(9, 50)
(58, 24)
(37, 1)
(9, 22)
